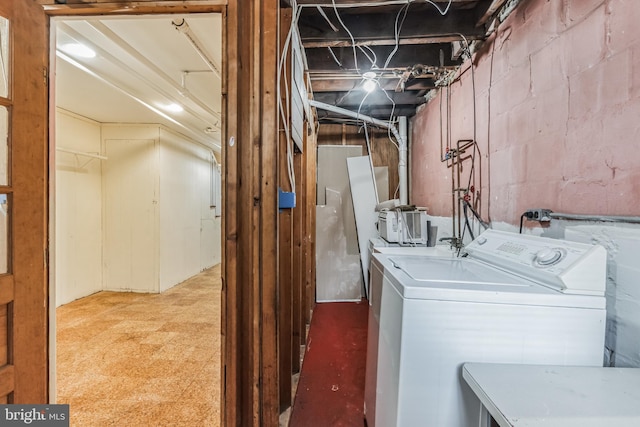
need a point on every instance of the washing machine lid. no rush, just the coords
(442, 250)
(465, 279)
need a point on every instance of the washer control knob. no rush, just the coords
(481, 240)
(548, 256)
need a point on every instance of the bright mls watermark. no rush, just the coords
(34, 415)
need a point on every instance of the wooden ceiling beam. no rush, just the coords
(385, 42)
(377, 97)
(345, 85)
(360, 3)
(379, 28)
(490, 11)
(406, 55)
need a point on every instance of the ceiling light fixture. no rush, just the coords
(174, 108)
(78, 50)
(369, 85)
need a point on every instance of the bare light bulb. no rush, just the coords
(369, 85)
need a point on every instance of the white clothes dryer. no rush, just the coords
(513, 299)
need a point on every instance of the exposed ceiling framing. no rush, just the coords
(409, 45)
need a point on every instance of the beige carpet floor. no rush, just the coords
(128, 359)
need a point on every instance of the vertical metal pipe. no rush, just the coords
(402, 164)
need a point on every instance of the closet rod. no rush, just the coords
(81, 153)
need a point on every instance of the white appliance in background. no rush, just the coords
(404, 226)
(514, 299)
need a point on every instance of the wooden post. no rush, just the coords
(250, 215)
(299, 304)
(285, 228)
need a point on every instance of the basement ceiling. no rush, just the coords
(408, 46)
(142, 65)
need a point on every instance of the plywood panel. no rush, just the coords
(382, 182)
(384, 152)
(338, 274)
(332, 173)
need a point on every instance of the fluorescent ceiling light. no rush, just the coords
(174, 108)
(78, 50)
(369, 75)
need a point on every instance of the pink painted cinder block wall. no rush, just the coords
(557, 92)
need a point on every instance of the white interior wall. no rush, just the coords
(78, 231)
(188, 225)
(130, 185)
(622, 242)
(141, 220)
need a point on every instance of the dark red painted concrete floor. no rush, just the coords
(331, 386)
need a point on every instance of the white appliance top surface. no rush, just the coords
(570, 267)
(465, 279)
(442, 250)
(556, 396)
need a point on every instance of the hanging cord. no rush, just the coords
(369, 152)
(404, 9)
(442, 12)
(372, 60)
(473, 91)
(353, 42)
(375, 57)
(333, 55)
(466, 221)
(522, 220)
(326, 18)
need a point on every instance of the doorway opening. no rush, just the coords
(135, 216)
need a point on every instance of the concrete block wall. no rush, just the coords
(557, 97)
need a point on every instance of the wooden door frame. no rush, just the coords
(249, 248)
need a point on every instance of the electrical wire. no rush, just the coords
(397, 30)
(466, 221)
(334, 57)
(326, 18)
(473, 91)
(375, 57)
(366, 95)
(370, 154)
(353, 42)
(442, 12)
(372, 60)
(393, 109)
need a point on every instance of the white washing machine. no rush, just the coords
(377, 246)
(513, 299)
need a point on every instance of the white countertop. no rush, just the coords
(567, 396)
